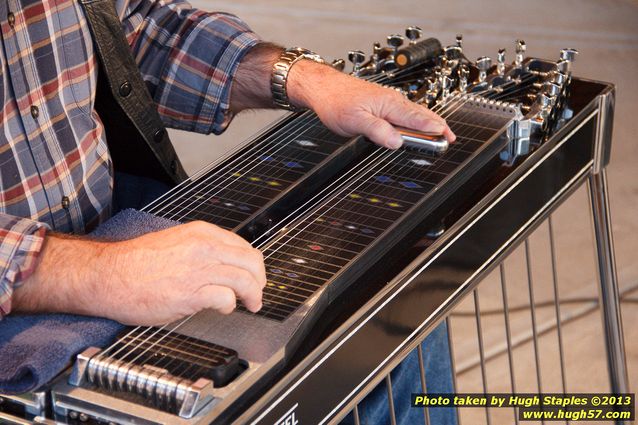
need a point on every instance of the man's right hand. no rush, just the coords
(150, 280)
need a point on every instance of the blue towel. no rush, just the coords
(36, 348)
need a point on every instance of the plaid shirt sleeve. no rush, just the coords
(20, 242)
(188, 59)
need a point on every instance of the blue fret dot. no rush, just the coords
(383, 179)
(292, 275)
(367, 231)
(244, 207)
(410, 185)
(292, 164)
(266, 158)
(276, 271)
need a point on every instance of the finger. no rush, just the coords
(251, 260)
(241, 282)
(418, 117)
(380, 131)
(220, 298)
(213, 232)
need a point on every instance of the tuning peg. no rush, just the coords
(356, 57)
(564, 66)
(453, 52)
(559, 78)
(459, 40)
(413, 34)
(520, 52)
(395, 41)
(338, 64)
(483, 64)
(500, 62)
(464, 73)
(568, 54)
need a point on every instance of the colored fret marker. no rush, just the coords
(254, 179)
(293, 164)
(420, 162)
(292, 275)
(299, 260)
(266, 158)
(274, 183)
(335, 223)
(394, 204)
(315, 247)
(236, 174)
(374, 200)
(213, 201)
(244, 207)
(281, 287)
(270, 284)
(354, 196)
(367, 231)
(319, 220)
(383, 179)
(306, 143)
(410, 185)
(276, 271)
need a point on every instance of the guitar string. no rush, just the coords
(376, 78)
(175, 328)
(264, 143)
(186, 189)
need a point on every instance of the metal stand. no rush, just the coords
(609, 299)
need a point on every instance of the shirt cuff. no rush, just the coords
(21, 240)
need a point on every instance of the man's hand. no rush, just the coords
(350, 106)
(151, 280)
(345, 104)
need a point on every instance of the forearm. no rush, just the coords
(70, 277)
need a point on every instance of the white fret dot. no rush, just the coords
(306, 143)
(299, 260)
(421, 162)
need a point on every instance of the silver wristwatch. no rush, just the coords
(280, 71)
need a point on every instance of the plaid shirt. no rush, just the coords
(55, 170)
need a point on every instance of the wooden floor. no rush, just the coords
(606, 33)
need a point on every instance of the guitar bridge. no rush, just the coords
(172, 372)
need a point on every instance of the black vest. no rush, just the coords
(137, 139)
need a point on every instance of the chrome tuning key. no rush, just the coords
(484, 63)
(395, 41)
(564, 64)
(520, 53)
(500, 62)
(464, 73)
(357, 57)
(459, 41)
(338, 64)
(413, 34)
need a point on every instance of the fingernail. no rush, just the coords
(395, 142)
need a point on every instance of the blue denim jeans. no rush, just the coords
(136, 192)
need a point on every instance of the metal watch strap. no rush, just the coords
(280, 70)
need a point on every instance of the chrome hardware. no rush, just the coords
(395, 41)
(357, 57)
(459, 41)
(551, 89)
(568, 54)
(500, 62)
(464, 73)
(446, 85)
(453, 53)
(412, 139)
(338, 64)
(520, 53)
(483, 64)
(413, 34)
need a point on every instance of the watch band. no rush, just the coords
(280, 70)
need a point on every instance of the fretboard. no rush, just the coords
(319, 247)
